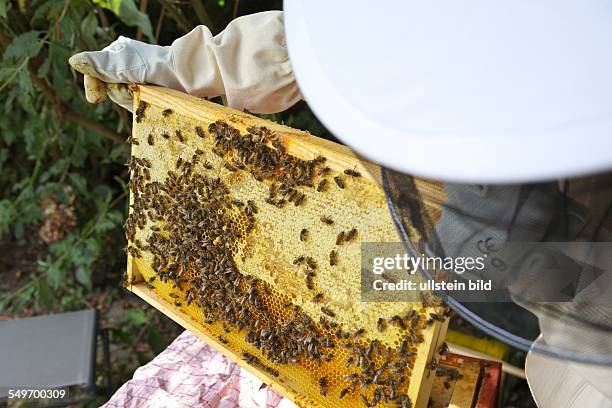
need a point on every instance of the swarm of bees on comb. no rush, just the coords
(187, 224)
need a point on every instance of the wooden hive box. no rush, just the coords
(220, 200)
(463, 381)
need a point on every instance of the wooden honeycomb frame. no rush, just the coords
(361, 203)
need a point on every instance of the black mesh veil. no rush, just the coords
(548, 256)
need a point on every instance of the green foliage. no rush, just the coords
(44, 157)
(26, 45)
(135, 317)
(128, 13)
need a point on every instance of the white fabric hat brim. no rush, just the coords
(484, 155)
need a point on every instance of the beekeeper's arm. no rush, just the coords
(247, 63)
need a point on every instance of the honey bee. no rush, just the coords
(333, 258)
(327, 220)
(433, 364)
(179, 134)
(352, 173)
(323, 385)
(309, 282)
(328, 311)
(340, 238)
(386, 277)
(251, 206)
(300, 199)
(165, 135)
(140, 111)
(132, 140)
(303, 234)
(351, 234)
(312, 264)
(324, 171)
(343, 393)
(437, 317)
(443, 349)
(399, 321)
(200, 132)
(318, 297)
(278, 145)
(150, 139)
(292, 194)
(381, 325)
(339, 181)
(166, 112)
(322, 185)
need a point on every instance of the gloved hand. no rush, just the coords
(247, 63)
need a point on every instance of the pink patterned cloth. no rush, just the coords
(191, 374)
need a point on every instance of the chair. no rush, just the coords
(50, 352)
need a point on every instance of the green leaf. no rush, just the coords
(134, 316)
(44, 296)
(93, 247)
(88, 29)
(4, 5)
(47, 11)
(155, 341)
(7, 215)
(24, 81)
(23, 298)
(18, 231)
(83, 276)
(54, 169)
(127, 12)
(104, 225)
(26, 45)
(104, 193)
(78, 182)
(116, 217)
(55, 275)
(43, 70)
(4, 153)
(9, 136)
(79, 155)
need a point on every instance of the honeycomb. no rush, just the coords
(233, 221)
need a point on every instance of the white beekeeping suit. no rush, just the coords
(247, 63)
(477, 92)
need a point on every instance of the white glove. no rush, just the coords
(247, 63)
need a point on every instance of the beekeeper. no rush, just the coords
(489, 94)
